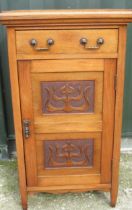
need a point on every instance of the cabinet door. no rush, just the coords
(70, 106)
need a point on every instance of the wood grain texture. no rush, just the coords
(67, 153)
(47, 181)
(17, 115)
(95, 169)
(27, 113)
(67, 76)
(18, 18)
(108, 119)
(67, 96)
(67, 61)
(69, 65)
(73, 122)
(80, 126)
(66, 56)
(118, 114)
(84, 26)
(66, 41)
(71, 188)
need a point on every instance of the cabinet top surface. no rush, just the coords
(25, 17)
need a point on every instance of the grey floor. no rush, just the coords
(10, 200)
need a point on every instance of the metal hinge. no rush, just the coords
(115, 82)
(26, 128)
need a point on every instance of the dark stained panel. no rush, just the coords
(68, 153)
(68, 96)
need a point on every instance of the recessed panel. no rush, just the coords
(67, 153)
(67, 102)
(67, 96)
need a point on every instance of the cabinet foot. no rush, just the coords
(113, 195)
(24, 201)
(24, 207)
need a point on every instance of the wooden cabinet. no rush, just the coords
(67, 73)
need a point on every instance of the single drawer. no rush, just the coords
(67, 41)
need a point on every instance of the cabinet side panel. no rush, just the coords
(118, 113)
(17, 114)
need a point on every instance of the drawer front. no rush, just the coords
(67, 41)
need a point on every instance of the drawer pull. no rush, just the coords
(34, 43)
(84, 42)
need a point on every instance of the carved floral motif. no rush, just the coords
(68, 153)
(73, 96)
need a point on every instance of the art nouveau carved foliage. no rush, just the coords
(67, 96)
(68, 153)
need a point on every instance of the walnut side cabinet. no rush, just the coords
(67, 75)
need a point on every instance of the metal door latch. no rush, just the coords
(26, 128)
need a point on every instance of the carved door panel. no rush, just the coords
(70, 106)
(67, 102)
